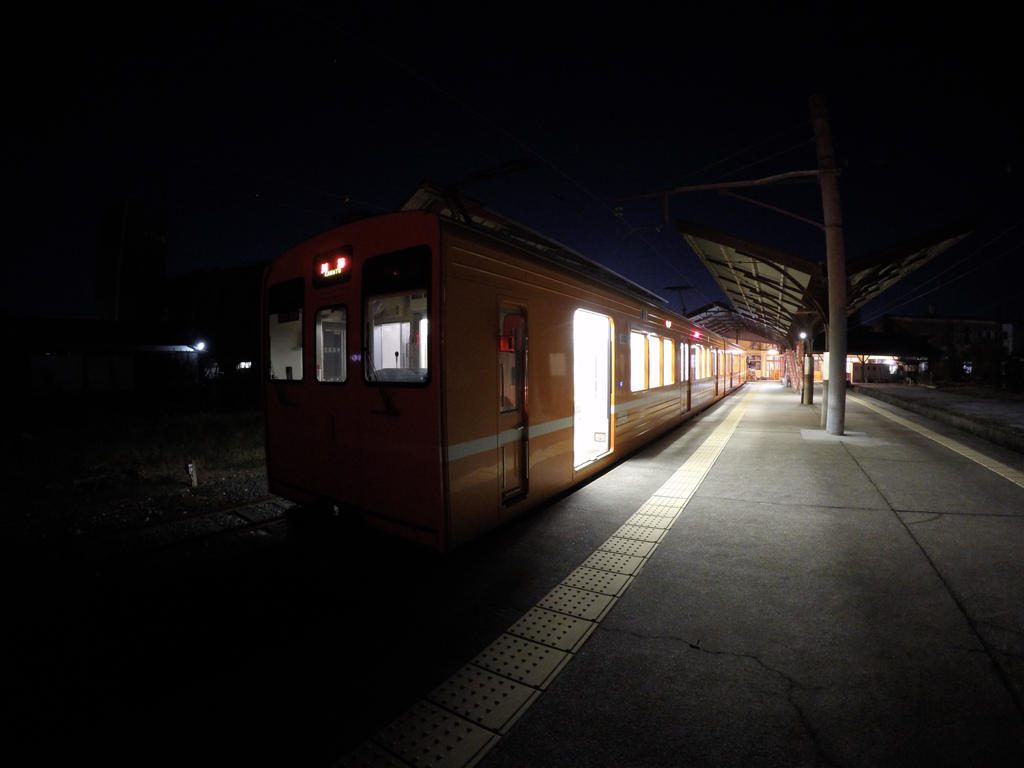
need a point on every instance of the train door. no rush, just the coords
(715, 359)
(684, 375)
(513, 427)
(331, 431)
(286, 393)
(592, 386)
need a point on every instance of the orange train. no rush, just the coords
(442, 369)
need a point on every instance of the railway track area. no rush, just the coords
(255, 519)
(88, 523)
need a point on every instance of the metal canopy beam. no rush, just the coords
(776, 290)
(764, 284)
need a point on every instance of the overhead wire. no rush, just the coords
(962, 275)
(779, 134)
(919, 293)
(765, 159)
(569, 178)
(590, 194)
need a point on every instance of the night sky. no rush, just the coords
(257, 127)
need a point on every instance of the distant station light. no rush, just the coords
(199, 346)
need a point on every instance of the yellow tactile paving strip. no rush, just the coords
(461, 719)
(1015, 476)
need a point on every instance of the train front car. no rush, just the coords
(441, 375)
(352, 383)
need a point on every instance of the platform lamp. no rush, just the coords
(808, 393)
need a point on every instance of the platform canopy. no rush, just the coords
(779, 294)
(727, 322)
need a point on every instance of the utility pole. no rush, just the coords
(835, 259)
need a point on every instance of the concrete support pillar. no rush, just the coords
(836, 268)
(808, 379)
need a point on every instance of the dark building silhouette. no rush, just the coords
(961, 348)
(221, 307)
(130, 263)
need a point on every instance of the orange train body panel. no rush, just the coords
(441, 385)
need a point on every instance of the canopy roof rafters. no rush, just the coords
(777, 292)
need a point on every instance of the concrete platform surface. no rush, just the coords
(745, 591)
(818, 600)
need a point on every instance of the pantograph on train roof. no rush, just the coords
(452, 205)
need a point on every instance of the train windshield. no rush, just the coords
(397, 312)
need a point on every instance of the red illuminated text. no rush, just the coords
(333, 267)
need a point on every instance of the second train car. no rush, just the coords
(442, 369)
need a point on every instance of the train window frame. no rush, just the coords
(634, 337)
(285, 304)
(510, 363)
(318, 342)
(403, 276)
(668, 369)
(654, 377)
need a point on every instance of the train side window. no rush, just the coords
(397, 312)
(637, 361)
(510, 353)
(684, 361)
(667, 363)
(654, 361)
(284, 329)
(331, 344)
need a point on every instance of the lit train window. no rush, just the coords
(637, 361)
(684, 361)
(667, 363)
(653, 361)
(284, 329)
(396, 313)
(397, 338)
(331, 344)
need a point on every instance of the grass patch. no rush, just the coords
(124, 446)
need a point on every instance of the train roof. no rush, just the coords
(449, 204)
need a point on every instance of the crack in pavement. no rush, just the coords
(991, 624)
(933, 518)
(1002, 674)
(792, 685)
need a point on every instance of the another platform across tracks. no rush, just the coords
(996, 417)
(747, 591)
